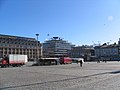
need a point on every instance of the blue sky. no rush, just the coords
(80, 22)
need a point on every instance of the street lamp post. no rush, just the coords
(37, 54)
(41, 49)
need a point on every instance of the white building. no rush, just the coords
(110, 52)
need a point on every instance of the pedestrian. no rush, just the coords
(81, 62)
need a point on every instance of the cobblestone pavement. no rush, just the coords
(92, 76)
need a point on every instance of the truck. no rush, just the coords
(13, 60)
(47, 61)
(65, 60)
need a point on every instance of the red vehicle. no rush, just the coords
(13, 60)
(65, 60)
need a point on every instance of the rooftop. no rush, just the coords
(17, 37)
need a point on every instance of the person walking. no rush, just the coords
(81, 62)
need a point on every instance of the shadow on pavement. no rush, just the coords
(115, 72)
(25, 85)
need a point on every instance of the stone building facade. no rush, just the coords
(86, 52)
(19, 45)
(107, 52)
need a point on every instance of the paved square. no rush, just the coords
(92, 76)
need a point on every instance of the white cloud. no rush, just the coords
(110, 18)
